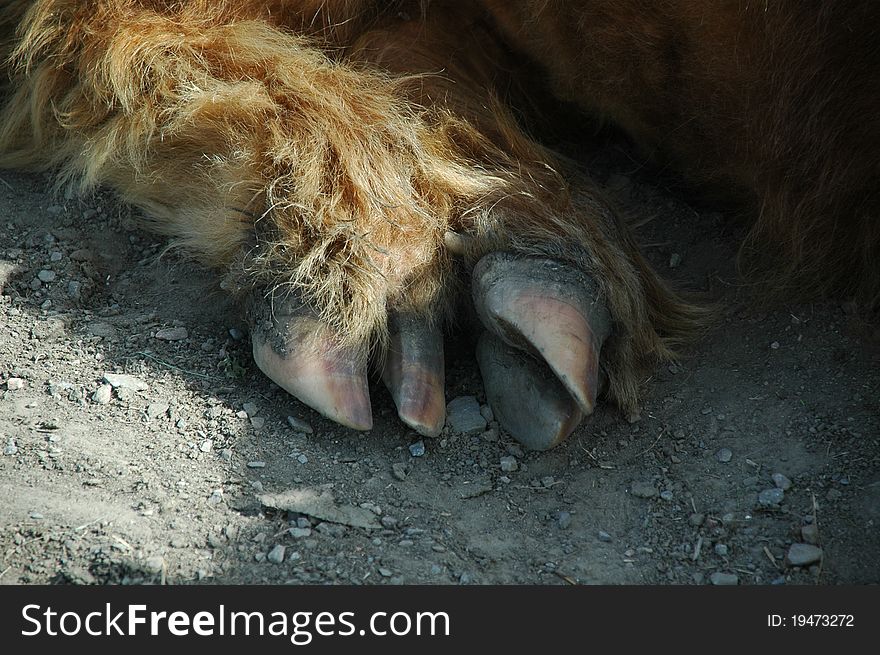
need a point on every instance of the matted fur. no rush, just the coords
(328, 146)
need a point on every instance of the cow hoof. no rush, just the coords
(540, 358)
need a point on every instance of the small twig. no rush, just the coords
(697, 549)
(651, 447)
(173, 367)
(8, 186)
(771, 558)
(566, 578)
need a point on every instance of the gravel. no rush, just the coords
(604, 536)
(720, 579)
(14, 384)
(643, 490)
(10, 448)
(463, 416)
(172, 334)
(299, 425)
(509, 464)
(124, 381)
(276, 555)
(300, 533)
(803, 555)
(103, 395)
(781, 481)
(417, 449)
(771, 497)
(724, 455)
(46, 276)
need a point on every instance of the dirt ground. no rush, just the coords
(178, 479)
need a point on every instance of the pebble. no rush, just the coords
(487, 413)
(303, 522)
(300, 533)
(56, 256)
(258, 422)
(302, 459)
(103, 395)
(810, 534)
(157, 410)
(256, 465)
(36, 516)
(721, 550)
(388, 521)
(604, 536)
(771, 497)
(10, 448)
(250, 409)
(509, 464)
(154, 564)
(236, 334)
(696, 519)
(385, 573)
(14, 384)
(417, 449)
(674, 260)
(724, 455)
(834, 494)
(299, 425)
(803, 555)
(643, 490)
(74, 289)
(82, 255)
(781, 481)
(206, 445)
(124, 381)
(46, 276)
(720, 579)
(399, 470)
(775, 345)
(172, 334)
(276, 555)
(463, 416)
(666, 495)
(563, 520)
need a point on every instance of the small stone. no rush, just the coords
(123, 381)
(388, 521)
(181, 424)
(385, 573)
(810, 534)
(721, 550)
(172, 334)
(604, 536)
(257, 422)
(56, 256)
(36, 516)
(417, 449)
(803, 555)
(250, 409)
(775, 345)
(46, 276)
(302, 459)
(300, 533)
(10, 448)
(303, 522)
(720, 579)
(724, 455)
(236, 334)
(276, 555)
(563, 520)
(487, 413)
(82, 255)
(463, 416)
(833, 495)
(399, 470)
(157, 410)
(696, 520)
(299, 425)
(781, 481)
(666, 495)
(643, 490)
(216, 497)
(256, 465)
(509, 464)
(674, 260)
(490, 435)
(14, 384)
(74, 289)
(154, 564)
(206, 445)
(103, 395)
(771, 497)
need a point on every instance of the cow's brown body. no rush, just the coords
(330, 145)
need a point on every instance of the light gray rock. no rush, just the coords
(103, 395)
(803, 555)
(172, 334)
(463, 416)
(125, 381)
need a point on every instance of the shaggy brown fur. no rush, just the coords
(329, 145)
